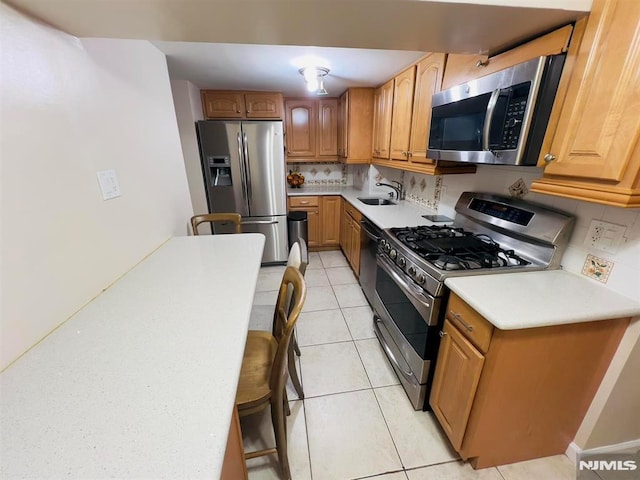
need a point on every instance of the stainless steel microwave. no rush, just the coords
(497, 119)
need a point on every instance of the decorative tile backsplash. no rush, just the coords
(321, 174)
(423, 190)
(597, 268)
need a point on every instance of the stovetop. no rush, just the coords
(451, 248)
(490, 234)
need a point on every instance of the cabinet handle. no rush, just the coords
(549, 157)
(238, 111)
(404, 154)
(481, 63)
(303, 203)
(409, 154)
(458, 317)
(442, 333)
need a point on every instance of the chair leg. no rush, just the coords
(293, 374)
(279, 421)
(296, 348)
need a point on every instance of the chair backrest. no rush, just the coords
(216, 217)
(285, 323)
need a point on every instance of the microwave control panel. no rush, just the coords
(512, 104)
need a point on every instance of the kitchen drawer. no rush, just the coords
(353, 211)
(467, 320)
(303, 202)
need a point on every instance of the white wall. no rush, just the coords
(71, 108)
(186, 98)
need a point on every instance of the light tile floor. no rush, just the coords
(356, 421)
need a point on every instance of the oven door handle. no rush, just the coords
(406, 287)
(392, 357)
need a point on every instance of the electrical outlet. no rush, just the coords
(597, 268)
(605, 236)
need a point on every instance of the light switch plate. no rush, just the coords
(604, 236)
(108, 184)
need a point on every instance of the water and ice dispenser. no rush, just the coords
(219, 171)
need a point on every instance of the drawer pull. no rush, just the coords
(304, 203)
(442, 333)
(458, 317)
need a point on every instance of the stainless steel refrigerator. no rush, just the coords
(244, 171)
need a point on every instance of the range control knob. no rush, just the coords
(393, 254)
(402, 262)
(387, 247)
(421, 279)
(412, 271)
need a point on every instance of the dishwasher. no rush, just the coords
(368, 252)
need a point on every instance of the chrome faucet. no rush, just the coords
(399, 191)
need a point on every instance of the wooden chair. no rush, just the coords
(263, 376)
(216, 217)
(299, 258)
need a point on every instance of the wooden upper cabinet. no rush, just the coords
(401, 114)
(429, 72)
(464, 68)
(595, 151)
(218, 104)
(300, 123)
(263, 105)
(327, 127)
(382, 107)
(238, 104)
(355, 125)
(311, 129)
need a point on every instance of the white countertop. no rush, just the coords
(403, 214)
(539, 299)
(141, 382)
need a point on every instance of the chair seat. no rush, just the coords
(253, 386)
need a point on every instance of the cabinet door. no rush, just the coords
(428, 80)
(455, 381)
(343, 118)
(383, 98)
(344, 229)
(301, 121)
(328, 127)
(355, 246)
(401, 114)
(330, 220)
(217, 104)
(263, 105)
(313, 218)
(597, 133)
(464, 68)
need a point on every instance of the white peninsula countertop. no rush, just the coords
(141, 382)
(539, 299)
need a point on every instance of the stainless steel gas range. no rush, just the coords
(490, 234)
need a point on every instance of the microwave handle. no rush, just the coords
(488, 119)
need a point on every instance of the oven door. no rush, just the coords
(409, 317)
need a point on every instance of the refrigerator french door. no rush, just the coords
(244, 171)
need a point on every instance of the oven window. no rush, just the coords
(405, 316)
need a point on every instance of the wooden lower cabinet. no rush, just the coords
(330, 220)
(505, 396)
(323, 219)
(455, 384)
(350, 235)
(311, 205)
(234, 466)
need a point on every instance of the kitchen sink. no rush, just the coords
(376, 201)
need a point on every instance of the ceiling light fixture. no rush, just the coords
(314, 77)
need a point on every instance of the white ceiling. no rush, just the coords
(254, 44)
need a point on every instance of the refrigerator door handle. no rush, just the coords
(259, 222)
(242, 172)
(247, 166)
